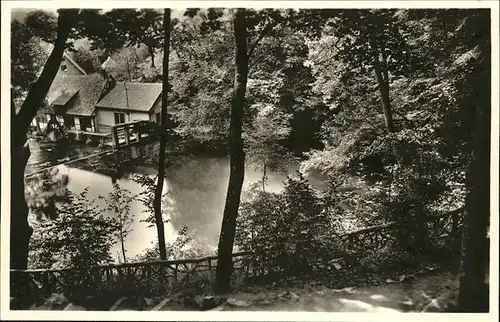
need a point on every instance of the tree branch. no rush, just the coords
(267, 29)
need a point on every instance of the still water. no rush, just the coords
(196, 190)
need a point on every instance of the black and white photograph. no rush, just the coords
(225, 156)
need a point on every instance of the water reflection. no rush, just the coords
(196, 190)
(141, 236)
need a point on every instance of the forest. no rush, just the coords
(392, 107)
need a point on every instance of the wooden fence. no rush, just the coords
(146, 278)
(446, 228)
(163, 277)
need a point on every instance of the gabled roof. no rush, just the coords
(48, 49)
(85, 89)
(72, 61)
(132, 96)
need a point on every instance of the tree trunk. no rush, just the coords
(237, 157)
(152, 53)
(20, 231)
(163, 140)
(264, 177)
(383, 85)
(473, 289)
(123, 245)
(473, 295)
(40, 88)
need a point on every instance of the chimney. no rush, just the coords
(103, 73)
(111, 80)
(110, 84)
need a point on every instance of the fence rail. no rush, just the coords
(160, 277)
(445, 227)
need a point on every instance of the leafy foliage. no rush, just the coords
(27, 54)
(80, 236)
(289, 230)
(310, 84)
(146, 197)
(201, 90)
(89, 60)
(114, 29)
(264, 139)
(118, 205)
(183, 247)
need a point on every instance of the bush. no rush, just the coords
(80, 236)
(290, 231)
(184, 247)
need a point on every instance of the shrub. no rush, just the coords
(288, 231)
(80, 236)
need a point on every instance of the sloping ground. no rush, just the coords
(407, 296)
(434, 292)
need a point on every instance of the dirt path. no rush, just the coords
(431, 293)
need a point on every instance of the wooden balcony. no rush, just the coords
(126, 134)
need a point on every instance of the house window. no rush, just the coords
(119, 118)
(64, 67)
(85, 124)
(158, 118)
(69, 121)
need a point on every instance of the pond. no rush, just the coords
(196, 190)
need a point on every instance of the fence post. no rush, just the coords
(108, 279)
(114, 136)
(138, 134)
(46, 287)
(126, 130)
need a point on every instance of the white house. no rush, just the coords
(127, 102)
(91, 104)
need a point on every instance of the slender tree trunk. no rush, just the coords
(20, 231)
(163, 140)
(264, 177)
(473, 295)
(122, 228)
(123, 245)
(152, 53)
(382, 75)
(237, 157)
